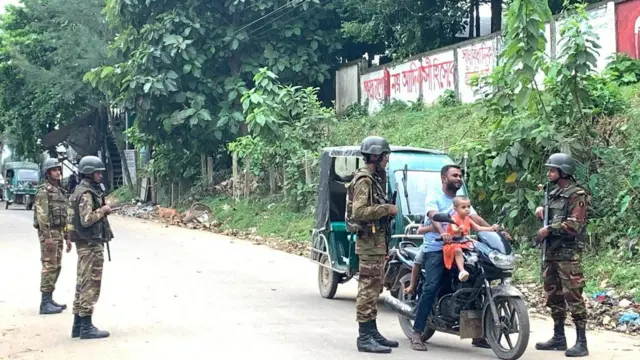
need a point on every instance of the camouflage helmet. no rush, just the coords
(563, 162)
(374, 145)
(49, 164)
(90, 164)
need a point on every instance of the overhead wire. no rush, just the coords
(263, 17)
(288, 21)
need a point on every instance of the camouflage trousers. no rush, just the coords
(563, 284)
(89, 277)
(51, 260)
(369, 287)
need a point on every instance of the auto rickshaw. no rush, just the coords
(22, 179)
(412, 173)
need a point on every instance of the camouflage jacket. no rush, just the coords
(89, 223)
(370, 209)
(567, 219)
(50, 209)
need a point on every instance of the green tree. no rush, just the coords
(188, 63)
(45, 49)
(404, 27)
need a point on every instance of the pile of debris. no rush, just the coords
(201, 217)
(607, 310)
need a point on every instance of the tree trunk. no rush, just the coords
(118, 135)
(496, 15)
(472, 19)
(478, 18)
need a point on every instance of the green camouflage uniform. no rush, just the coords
(90, 231)
(370, 217)
(563, 277)
(50, 218)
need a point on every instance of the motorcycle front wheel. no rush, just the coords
(405, 323)
(514, 319)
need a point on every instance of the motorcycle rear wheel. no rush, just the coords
(495, 334)
(405, 323)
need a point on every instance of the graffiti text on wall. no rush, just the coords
(377, 88)
(478, 61)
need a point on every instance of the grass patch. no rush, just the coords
(123, 195)
(609, 269)
(433, 127)
(270, 216)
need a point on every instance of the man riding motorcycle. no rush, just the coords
(433, 263)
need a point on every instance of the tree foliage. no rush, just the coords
(46, 47)
(404, 27)
(566, 112)
(188, 63)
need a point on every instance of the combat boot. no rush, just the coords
(366, 342)
(88, 331)
(580, 348)
(381, 339)
(557, 342)
(75, 329)
(47, 307)
(63, 306)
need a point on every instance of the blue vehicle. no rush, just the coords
(411, 174)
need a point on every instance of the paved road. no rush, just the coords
(173, 292)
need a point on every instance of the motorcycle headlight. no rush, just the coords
(502, 261)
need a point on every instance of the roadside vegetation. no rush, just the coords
(204, 87)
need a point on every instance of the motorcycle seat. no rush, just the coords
(410, 252)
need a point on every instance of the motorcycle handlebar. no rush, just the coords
(455, 239)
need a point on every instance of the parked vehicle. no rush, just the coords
(22, 180)
(2, 184)
(485, 305)
(411, 174)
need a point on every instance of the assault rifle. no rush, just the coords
(545, 223)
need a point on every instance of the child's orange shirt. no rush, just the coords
(461, 227)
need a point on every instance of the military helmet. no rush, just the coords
(374, 145)
(49, 164)
(90, 164)
(563, 162)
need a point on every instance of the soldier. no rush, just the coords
(90, 231)
(368, 213)
(50, 219)
(562, 269)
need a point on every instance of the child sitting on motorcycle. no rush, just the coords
(463, 224)
(452, 251)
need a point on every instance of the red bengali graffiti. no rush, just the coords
(377, 88)
(412, 78)
(438, 75)
(478, 61)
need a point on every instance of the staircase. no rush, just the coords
(116, 163)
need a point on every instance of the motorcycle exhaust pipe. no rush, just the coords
(399, 307)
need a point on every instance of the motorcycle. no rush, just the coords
(484, 306)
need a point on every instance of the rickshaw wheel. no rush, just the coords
(328, 279)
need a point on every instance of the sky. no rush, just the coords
(4, 3)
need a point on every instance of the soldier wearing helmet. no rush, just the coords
(50, 219)
(368, 213)
(562, 270)
(90, 231)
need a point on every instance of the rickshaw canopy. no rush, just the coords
(338, 164)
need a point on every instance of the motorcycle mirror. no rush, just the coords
(443, 217)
